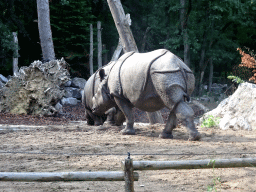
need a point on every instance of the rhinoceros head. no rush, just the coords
(102, 99)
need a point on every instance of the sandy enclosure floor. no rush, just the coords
(79, 138)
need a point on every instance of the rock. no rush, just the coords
(73, 92)
(3, 79)
(78, 82)
(69, 101)
(239, 110)
(205, 99)
(1, 84)
(59, 107)
(68, 83)
(198, 108)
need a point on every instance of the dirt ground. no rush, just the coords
(79, 147)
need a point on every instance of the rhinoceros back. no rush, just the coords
(131, 73)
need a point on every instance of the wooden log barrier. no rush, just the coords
(65, 176)
(194, 164)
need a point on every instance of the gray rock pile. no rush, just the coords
(238, 111)
(73, 91)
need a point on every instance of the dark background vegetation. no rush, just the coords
(217, 27)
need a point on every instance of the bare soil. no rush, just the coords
(78, 143)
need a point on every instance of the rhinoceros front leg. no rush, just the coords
(93, 119)
(127, 111)
(170, 125)
(110, 116)
(187, 115)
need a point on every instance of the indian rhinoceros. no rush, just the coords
(113, 116)
(149, 82)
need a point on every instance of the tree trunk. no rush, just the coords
(210, 75)
(105, 55)
(144, 40)
(117, 52)
(15, 57)
(202, 65)
(123, 23)
(99, 45)
(45, 32)
(183, 21)
(91, 50)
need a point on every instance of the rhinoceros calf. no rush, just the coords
(149, 82)
(113, 116)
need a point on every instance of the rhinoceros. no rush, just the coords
(148, 81)
(113, 116)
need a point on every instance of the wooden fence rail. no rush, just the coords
(64, 176)
(194, 164)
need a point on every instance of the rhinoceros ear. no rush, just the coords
(102, 74)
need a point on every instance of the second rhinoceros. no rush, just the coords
(113, 116)
(149, 82)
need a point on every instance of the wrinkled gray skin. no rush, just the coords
(166, 83)
(113, 116)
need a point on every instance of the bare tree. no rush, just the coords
(123, 23)
(45, 32)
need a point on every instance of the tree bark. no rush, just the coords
(91, 50)
(123, 23)
(210, 75)
(15, 57)
(144, 40)
(99, 45)
(45, 32)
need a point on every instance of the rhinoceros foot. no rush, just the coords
(166, 136)
(109, 123)
(128, 132)
(194, 137)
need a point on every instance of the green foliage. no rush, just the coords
(70, 27)
(216, 180)
(6, 41)
(210, 121)
(235, 79)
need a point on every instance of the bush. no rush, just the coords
(210, 121)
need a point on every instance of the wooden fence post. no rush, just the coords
(15, 57)
(99, 45)
(128, 174)
(91, 49)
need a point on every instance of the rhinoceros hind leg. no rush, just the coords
(170, 125)
(187, 115)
